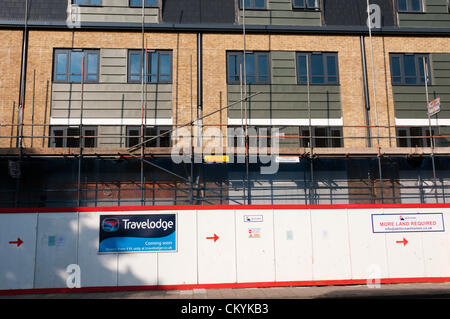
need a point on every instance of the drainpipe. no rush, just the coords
(366, 90)
(22, 81)
(199, 89)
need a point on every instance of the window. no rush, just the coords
(323, 68)
(159, 66)
(306, 4)
(68, 66)
(87, 2)
(147, 3)
(256, 65)
(252, 4)
(134, 136)
(408, 69)
(69, 136)
(322, 136)
(409, 5)
(414, 136)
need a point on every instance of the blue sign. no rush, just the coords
(138, 233)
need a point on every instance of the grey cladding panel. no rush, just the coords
(111, 101)
(280, 12)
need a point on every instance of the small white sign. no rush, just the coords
(434, 107)
(408, 223)
(253, 218)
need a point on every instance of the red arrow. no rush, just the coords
(404, 241)
(215, 237)
(18, 242)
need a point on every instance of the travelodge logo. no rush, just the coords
(110, 225)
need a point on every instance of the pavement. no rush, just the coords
(414, 290)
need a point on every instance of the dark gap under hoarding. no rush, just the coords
(138, 233)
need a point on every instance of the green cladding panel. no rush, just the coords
(284, 98)
(410, 101)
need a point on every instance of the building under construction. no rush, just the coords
(94, 95)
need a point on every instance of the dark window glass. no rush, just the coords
(88, 2)
(133, 136)
(159, 66)
(89, 141)
(408, 69)
(396, 70)
(305, 4)
(414, 136)
(252, 4)
(68, 66)
(257, 67)
(323, 68)
(409, 5)
(322, 137)
(68, 136)
(153, 136)
(147, 3)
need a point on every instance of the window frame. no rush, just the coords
(252, 5)
(257, 76)
(145, 6)
(418, 69)
(407, 140)
(149, 75)
(68, 73)
(159, 131)
(409, 6)
(326, 75)
(65, 137)
(331, 140)
(306, 6)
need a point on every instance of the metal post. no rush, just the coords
(191, 179)
(143, 75)
(32, 107)
(375, 97)
(425, 70)
(311, 149)
(81, 130)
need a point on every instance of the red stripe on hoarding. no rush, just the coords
(225, 285)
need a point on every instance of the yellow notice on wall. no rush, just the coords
(216, 158)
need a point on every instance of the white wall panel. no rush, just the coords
(330, 245)
(181, 267)
(17, 263)
(293, 245)
(405, 260)
(138, 269)
(216, 260)
(56, 248)
(368, 250)
(436, 248)
(96, 269)
(255, 256)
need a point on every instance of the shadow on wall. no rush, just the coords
(67, 256)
